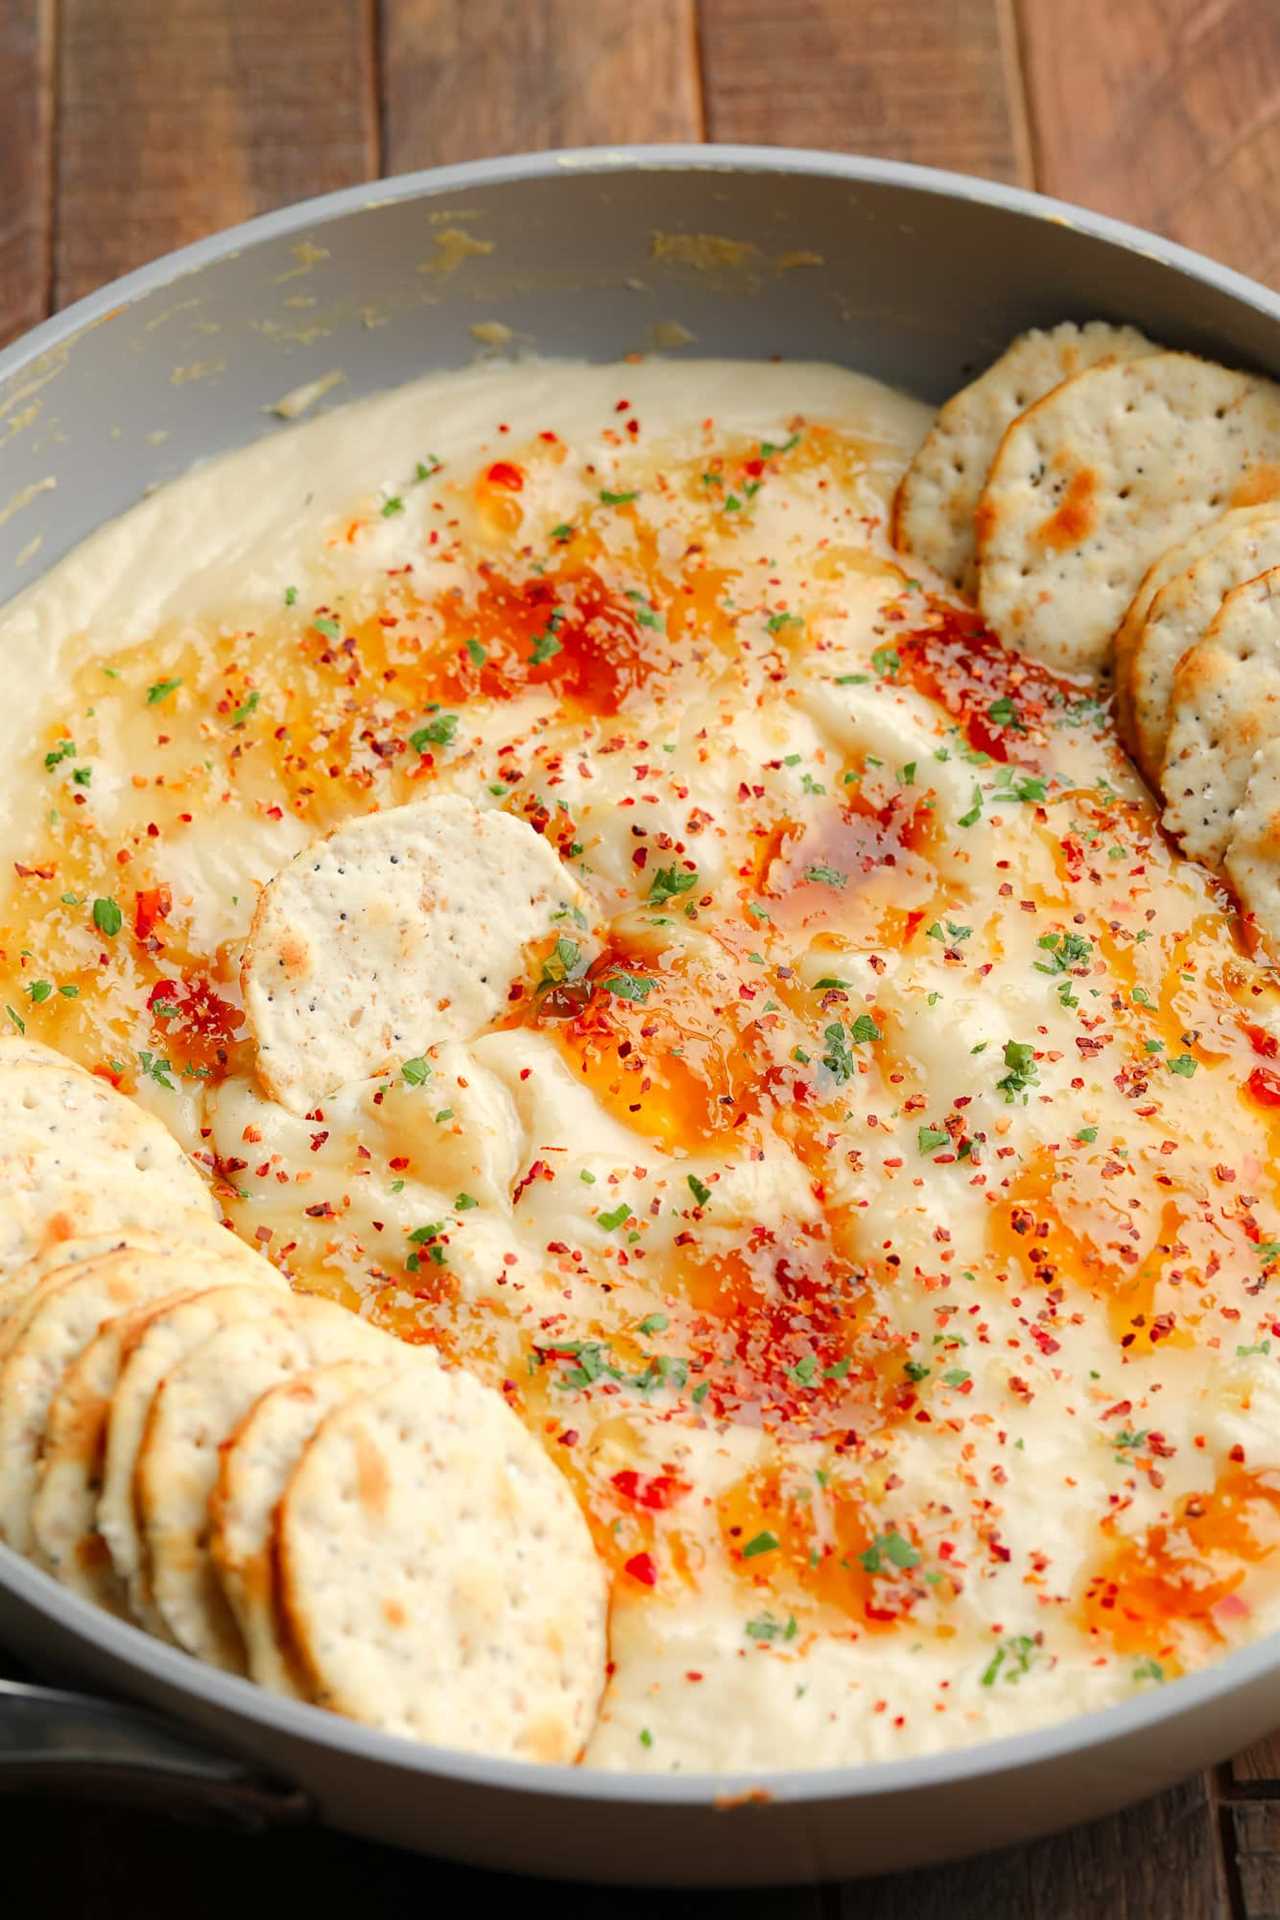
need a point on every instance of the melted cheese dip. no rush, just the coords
(875, 1220)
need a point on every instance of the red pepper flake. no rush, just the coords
(640, 1566)
(657, 1492)
(1264, 1085)
(504, 473)
(151, 904)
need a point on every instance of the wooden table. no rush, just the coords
(131, 126)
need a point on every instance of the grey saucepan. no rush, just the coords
(915, 277)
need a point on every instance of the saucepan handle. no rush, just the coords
(72, 1744)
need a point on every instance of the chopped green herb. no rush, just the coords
(1013, 1657)
(157, 1069)
(107, 918)
(629, 986)
(439, 732)
(826, 876)
(669, 882)
(545, 647)
(617, 499)
(64, 750)
(1010, 786)
(766, 1627)
(1064, 950)
(616, 1217)
(838, 1059)
(331, 629)
(1003, 713)
(415, 1072)
(247, 706)
(477, 652)
(160, 690)
(39, 991)
(1183, 1064)
(893, 1547)
(929, 1139)
(1019, 1057)
(864, 1029)
(699, 1190)
(765, 1542)
(464, 1202)
(561, 962)
(974, 814)
(392, 505)
(646, 614)
(886, 661)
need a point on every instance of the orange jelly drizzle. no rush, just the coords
(1176, 1591)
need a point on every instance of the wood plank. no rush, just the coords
(116, 1864)
(176, 117)
(466, 78)
(937, 82)
(1254, 1827)
(1258, 1768)
(1165, 112)
(1156, 1860)
(26, 177)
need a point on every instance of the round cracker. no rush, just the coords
(1225, 705)
(254, 1469)
(159, 1344)
(1252, 860)
(1179, 619)
(65, 1539)
(17, 1289)
(1173, 561)
(64, 1513)
(196, 1408)
(437, 1577)
(934, 508)
(1091, 484)
(397, 930)
(78, 1158)
(63, 1316)
(186, 1229)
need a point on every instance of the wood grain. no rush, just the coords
(1156, 1862)
(1254, 1833)
(936, 81)
(26, 174)
(1166, 112)
(176, 117)
(465, 78)
(1258, 1767)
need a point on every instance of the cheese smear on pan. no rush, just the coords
(869, 1202)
